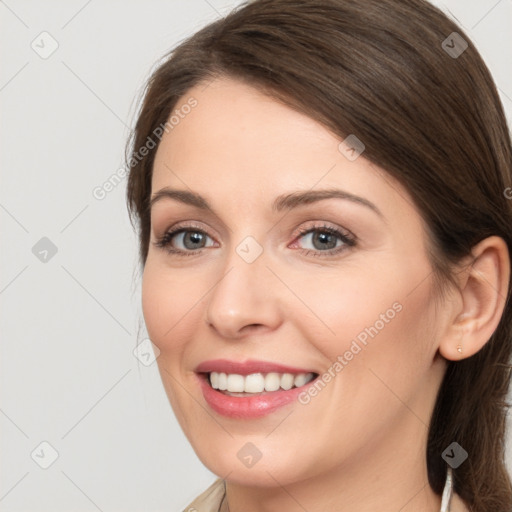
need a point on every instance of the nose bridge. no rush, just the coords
(243, 294)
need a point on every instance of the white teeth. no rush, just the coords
(214, 380)
(223, 381)
(254, 383)
(272, 382)
(236, 383)
(301, 379)
(257, 382)
(287, 381)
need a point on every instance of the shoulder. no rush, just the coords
(209, 500)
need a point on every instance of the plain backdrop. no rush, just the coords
(85, 425)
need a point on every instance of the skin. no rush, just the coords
(359, 444)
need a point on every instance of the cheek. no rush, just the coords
(371, 317)
(153, 304)
(167, 305)
(345, 303)
(376, 362)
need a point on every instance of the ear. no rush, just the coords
(483, 292)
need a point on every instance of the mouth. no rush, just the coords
(251, 389)
(234, 384)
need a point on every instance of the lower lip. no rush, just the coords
(247, 407)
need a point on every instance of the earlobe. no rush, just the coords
(483, 288)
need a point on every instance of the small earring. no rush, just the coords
(459, 349)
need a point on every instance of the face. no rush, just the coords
(292, 276)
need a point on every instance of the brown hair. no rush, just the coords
(378, 69)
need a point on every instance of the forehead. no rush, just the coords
(237, 143)
(232, 115)
(235, 127)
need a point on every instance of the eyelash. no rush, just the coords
(348, 240)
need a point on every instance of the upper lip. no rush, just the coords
(246, 367)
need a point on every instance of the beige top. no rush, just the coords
(213, 500)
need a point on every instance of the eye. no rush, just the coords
(184, 241)
(324, 240)
(321, 240)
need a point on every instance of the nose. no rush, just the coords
(246, 299)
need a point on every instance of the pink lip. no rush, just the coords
(248, 407)
(246, 368)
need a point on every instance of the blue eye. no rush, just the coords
(325, 240)
(190, 240)
(322, 240)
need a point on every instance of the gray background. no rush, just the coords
(71, 320)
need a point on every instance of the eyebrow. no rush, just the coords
(282, 202)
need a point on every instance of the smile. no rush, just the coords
(250, 389)
(235, 384)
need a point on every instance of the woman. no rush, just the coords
(321, 190)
